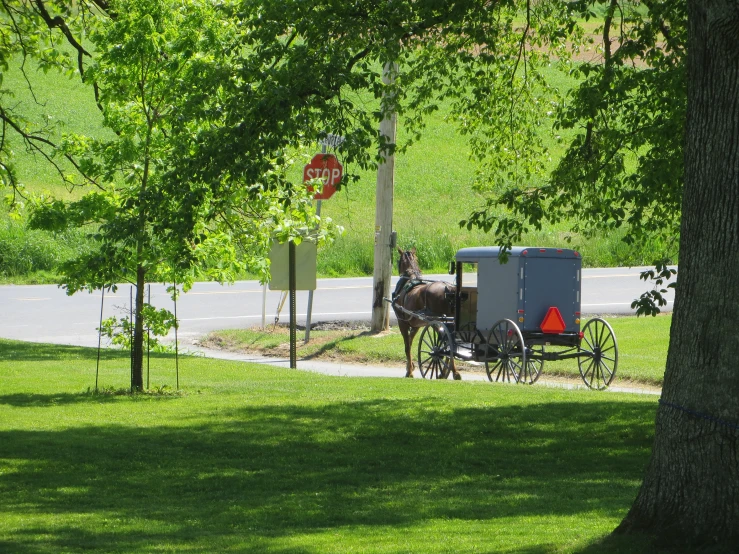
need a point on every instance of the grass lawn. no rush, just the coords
(642, 346)
(250, 458)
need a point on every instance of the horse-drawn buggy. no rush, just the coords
(503, 316)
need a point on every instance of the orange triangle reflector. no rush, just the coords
(553, 323)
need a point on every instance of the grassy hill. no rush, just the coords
(433, 192)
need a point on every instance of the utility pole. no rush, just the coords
(384, 211)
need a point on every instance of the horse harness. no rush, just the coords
(404, 286)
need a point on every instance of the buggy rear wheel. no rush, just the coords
(598, 355)
(435, 351)
(468, 333)
(469, 342)
(506, 357)
(534, 364)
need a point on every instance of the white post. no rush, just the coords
(309, 313)
(264, 306)
(384, 214)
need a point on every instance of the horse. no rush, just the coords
(433, 299)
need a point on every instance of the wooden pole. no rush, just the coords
(384, 213)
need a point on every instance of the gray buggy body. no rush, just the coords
(537, 288)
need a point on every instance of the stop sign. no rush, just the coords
(326, 167)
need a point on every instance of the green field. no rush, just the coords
(433, 192)
(249, 458)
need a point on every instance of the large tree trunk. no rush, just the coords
(690, 494)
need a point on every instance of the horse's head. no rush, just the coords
(408, 263)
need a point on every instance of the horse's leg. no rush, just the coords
(407, 339)
(457, 376)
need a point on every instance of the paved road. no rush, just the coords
(43, 313)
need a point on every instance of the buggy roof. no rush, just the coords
(476, 253)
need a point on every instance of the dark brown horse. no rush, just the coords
(433, 299)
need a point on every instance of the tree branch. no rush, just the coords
(61, 24)
(33, 141)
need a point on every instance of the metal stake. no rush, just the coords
(291, 264)
(100, 334)
(130, 333)
(148, 342)
(176, 342)
(310, 292)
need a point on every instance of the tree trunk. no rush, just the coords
(690, 494)
(137, 372)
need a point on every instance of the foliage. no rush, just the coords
(493, 66)
(25, 252)
(164, 71)
(650, 302)
(624, 126)
(158, 323)
(43, 35)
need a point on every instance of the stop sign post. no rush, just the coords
(327, 168)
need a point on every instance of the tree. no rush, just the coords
(691, 490)
(157, 69)
(655, 147)
(142, 54)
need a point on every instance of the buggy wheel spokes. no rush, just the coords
(468, 333)
(502, 373)
(589, 372)
(507, 352)
(469, 342)
(435, 351)
(598, 355)
(534, 365)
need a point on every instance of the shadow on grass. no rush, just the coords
(624, 544)
(334, 344)
(249, 476)
(31, 400)
(17, 351)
